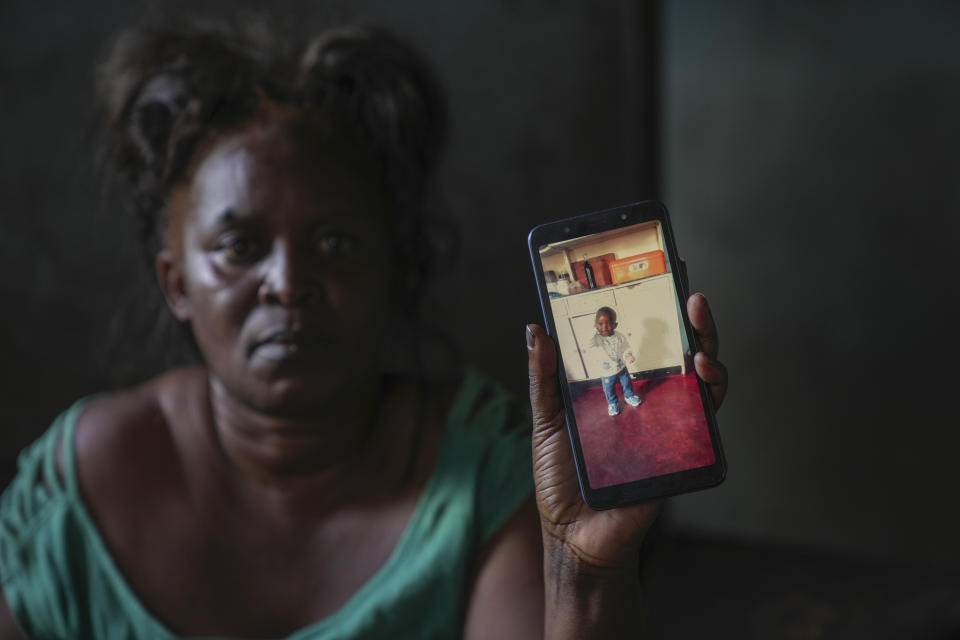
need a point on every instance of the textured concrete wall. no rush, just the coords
(812, 165)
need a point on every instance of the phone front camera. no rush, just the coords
(566, 229)
(623, 216)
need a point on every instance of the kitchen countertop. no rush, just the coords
(611, 286)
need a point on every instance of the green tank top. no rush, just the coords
(60, 581)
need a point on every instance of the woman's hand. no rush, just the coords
(602, 539)
(596, 540)
(705, 362)
(592, 555)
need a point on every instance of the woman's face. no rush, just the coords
(278, 258)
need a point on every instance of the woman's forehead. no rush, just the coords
(257, 168)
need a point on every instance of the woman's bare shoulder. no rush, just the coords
(120, 419)
(124, 437)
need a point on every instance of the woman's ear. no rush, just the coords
(170, 276)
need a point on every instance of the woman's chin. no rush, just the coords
(290, 384)
(296, 395)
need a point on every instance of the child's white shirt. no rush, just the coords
(608, 352)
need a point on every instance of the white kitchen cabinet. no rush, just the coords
(589, 301)
(572, 361)
(647, 313)
(584, 330)
(575, 329)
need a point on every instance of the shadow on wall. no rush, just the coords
(652, 342)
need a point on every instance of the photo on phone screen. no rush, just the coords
(637, 403)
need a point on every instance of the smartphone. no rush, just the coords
(641, 421)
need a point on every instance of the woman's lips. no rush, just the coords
(278, 350)
(285, 344)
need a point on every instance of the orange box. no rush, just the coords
(639, 266)
(601, 270)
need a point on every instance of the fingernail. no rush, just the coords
(531, 339)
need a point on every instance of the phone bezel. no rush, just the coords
(656, 486)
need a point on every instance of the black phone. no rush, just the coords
(641, 421)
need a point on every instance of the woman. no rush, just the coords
(285, 487)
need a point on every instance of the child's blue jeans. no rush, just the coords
(610, 388)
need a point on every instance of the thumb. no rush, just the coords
(545, 399)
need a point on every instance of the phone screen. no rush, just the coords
(638, 406)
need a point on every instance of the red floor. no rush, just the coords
(666, 433)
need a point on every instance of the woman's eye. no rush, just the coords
(336, 245)
(238, 249)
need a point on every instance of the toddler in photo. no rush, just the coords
(610, 348)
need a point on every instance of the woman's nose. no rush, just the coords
(287, 278)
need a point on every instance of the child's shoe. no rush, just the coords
(613, 410)
(634, 401)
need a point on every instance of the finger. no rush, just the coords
(702, 320)
(682, 269)
(714, 373)
(545, 398)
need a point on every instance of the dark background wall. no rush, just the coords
(809, 157)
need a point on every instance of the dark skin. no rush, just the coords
(269, 490)
(590, 557)
(271, 483)
(605, 325)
